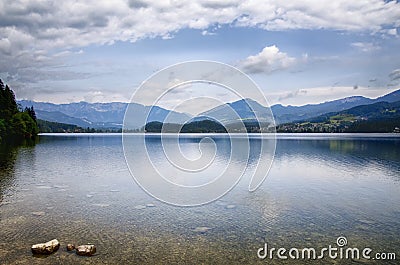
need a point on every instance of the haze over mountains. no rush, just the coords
(111, 115)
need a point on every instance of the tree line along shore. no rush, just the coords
(16, 124)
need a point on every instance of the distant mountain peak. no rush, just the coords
(112, 114)
(391, 97)
(352, 99)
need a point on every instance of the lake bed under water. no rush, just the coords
(78, 188)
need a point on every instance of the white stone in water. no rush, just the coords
(85, 250)
(43, 187)
(101, 204)
(38, 213)
(369, 222)
(201, 229)
(61, 186)
(46, 248)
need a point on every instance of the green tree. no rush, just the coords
(8, 103)
(3, 129)
(31, 113)
(23, 126)
(14, 124)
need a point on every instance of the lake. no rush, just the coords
(78, 188)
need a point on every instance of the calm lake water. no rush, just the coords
(78, 189)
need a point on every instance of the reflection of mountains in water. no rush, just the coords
(341, 152)
(210, 126)
(247, 150)
(335, 149)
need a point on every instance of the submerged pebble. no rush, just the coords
(364, 221)
(60, 186)
(201, 229)
(38, 213)
(221, 203)
(43, 187)
(101, 204)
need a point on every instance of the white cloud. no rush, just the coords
(5, 46)
(317, 95)
(395, 75)
(268, 60)
(206, 32)
(315, 14)
(290, 94)
(102, 96)
(391, 32)
(32, 32)
(365, 46)
(68, 23)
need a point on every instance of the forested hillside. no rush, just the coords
(16, 124)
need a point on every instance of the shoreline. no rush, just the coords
(371, 134)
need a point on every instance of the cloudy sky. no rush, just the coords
(296, 51)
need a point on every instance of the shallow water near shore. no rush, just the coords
(77, 188)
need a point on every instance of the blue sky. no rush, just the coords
(100, 51)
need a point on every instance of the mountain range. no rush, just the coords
(287, 114)
(99, 115)
(379, 117)
(111, 115)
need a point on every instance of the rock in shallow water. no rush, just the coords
(85, 250)
(101, 204)
(201, 229)
(38, 213)
(46, 248)
(70, 247)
